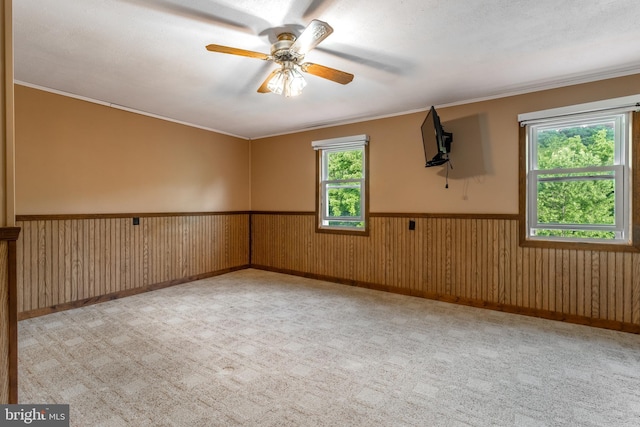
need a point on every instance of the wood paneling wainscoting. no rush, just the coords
(467, 259)
(8, 316)
(66, 261)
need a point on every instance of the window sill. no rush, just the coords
(343, 231)
(583, 246)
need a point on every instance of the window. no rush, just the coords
(342, 196)
(578, 177)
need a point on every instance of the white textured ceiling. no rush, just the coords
(150, 56)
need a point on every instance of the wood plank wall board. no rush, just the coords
(460, 258)
(5, 341)
(8, 316)
(63, 259)
(455, 257)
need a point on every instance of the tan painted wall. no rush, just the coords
(73, 156)
(484, 156)
(77, 157)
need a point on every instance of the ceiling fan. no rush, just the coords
(289, 51)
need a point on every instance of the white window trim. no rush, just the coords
(327, 146)
(341, 143)
(621, 168)
(346, 183)
(614, 106)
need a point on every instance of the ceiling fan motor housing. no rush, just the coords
(280, 50)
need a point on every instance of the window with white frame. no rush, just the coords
(578, 176)
(342, 203)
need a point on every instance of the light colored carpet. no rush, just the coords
(255, 348)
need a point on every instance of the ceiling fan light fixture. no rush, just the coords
(276, 83)
(295, 83)
(287, 81)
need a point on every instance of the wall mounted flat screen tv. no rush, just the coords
(436, 142)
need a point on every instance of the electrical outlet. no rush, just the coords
(136, 220)
(412, 224)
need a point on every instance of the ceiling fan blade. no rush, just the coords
(327, 73)
(236, 51)
(263, 88)
(201, 11)
(316, 7)
(315, 32)
(207, 12)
